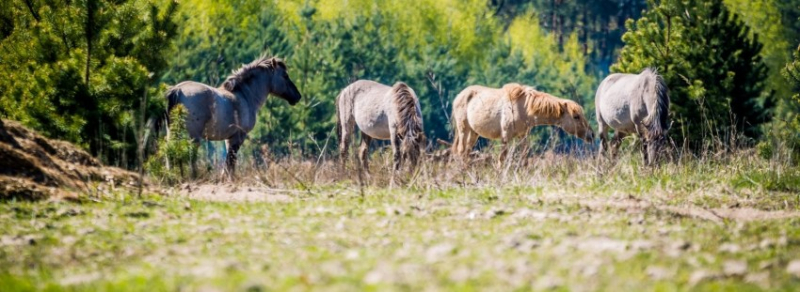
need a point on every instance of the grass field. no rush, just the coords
(725, 222)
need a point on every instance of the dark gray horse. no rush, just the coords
(634, 103)
(229, 111)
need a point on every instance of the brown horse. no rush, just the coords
(229, 111)
(384, 113)
(510, 112)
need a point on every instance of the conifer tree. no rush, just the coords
(76, 70)
(791, 119)
(711, 63)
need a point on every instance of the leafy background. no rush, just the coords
(80, 70)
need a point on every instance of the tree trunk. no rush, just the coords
(89, 34)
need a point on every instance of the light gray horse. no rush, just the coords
(229, 111)
(384, 113)
(631, 103)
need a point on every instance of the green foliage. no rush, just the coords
(176, 151)
(598, 24)
(790, 119)
(77, 70)
(711, 62)
(437, 47)
(776, 23)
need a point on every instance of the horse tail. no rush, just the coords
(409, 127)
(338, 117)
(657, 121)
(458, 117)
(173, 98)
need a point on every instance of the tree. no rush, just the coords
(598, 24)
(77, 70)
(711, 62)
(791, 118)
(438, 47)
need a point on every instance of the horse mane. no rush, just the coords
(541, 103)
(409, 127)
(246, 72)
(657, 121)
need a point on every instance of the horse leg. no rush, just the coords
(345, 125)
(526, 148)
(397, 157)
(193, 158)
(616, 143)
(503, 152)
(469, 142)
(232, 145)
(363, 151)
(644, 150)
(602, 128)
(465, 140)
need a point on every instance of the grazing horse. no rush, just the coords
(384, 113)
(229, 111)
(631, 103)
(510, 112)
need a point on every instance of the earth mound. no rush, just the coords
(33, 167)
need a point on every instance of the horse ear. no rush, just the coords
(229, 84)
(565, 108)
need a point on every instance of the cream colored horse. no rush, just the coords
(510, 112)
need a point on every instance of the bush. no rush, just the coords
(176, 151)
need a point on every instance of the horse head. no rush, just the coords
(574, 121)
(282, 85)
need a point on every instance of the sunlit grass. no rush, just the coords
(556, 221)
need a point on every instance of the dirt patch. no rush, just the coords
(750, 214)
(716, 215)
(236, 193)
(33, 167)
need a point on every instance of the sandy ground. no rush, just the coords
(238, 193)
(235, 193)
(717, 215)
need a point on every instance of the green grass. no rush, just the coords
(553, 225)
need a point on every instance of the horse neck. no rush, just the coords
(255, 91)
(540, 118)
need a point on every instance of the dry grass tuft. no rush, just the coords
(737, 177)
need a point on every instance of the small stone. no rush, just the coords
(658, 273)
(437, 252)
(734, 267)
(760, 279)
(701, 275)
(766, 265)
(548, 283)
(730, 248)
(793, 268)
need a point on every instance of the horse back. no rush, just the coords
(212, 113)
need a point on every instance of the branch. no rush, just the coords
(35, 14)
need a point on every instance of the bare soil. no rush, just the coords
(33, 167)
(235, 193)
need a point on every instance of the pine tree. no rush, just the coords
(791, 119)
(173, 161)
(76, 70)
(711, 63)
